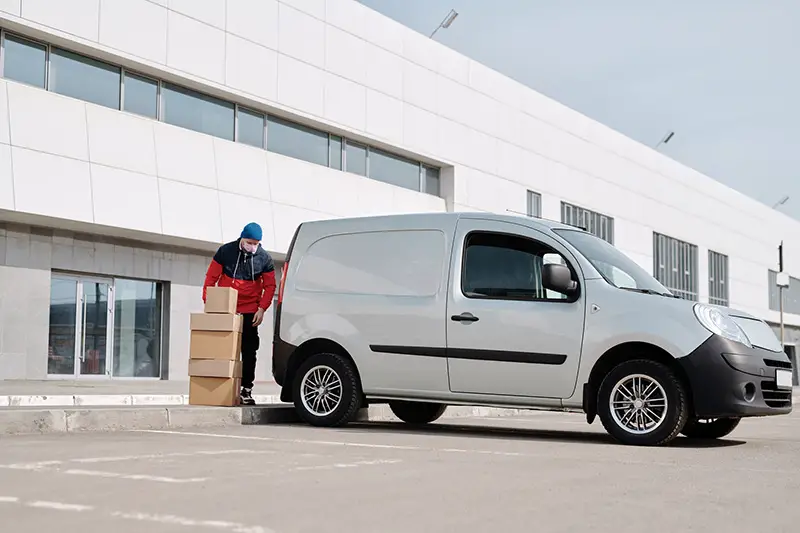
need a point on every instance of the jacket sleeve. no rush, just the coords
(268, 284)
(213, 274)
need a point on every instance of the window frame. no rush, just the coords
(253, 112)
(718, 263)
(582, 212)
(569, 299)
(125, 72)
(533, 199)
(672, 246)
(162, 84)
(3, 35)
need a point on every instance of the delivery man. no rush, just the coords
(244, 265)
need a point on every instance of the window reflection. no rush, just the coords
(198, 112)
(251, 128)
(336, 152)
(61, 337)
(356, 158)
(24, 61)
(84, 78)
(141, 96)
(295, 140)
(393, 169)
(137, 329)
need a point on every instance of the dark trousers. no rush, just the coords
(250, 344)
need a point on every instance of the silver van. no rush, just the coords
(423, 311)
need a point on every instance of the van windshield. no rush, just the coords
(617, 268)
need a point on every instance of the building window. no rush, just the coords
(506, 267)
(595, 223)
(394, 170)
(140, 95)
(101, 83)
(534, 204)
(295, 140)
(717, 278)
(432, 181)
(675, 265)
(250, 127)
(355, 158)
(335, 147)
(84, 78)
(195, 111)
(137, 329)
(24, 61)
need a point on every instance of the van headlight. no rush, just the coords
(720, 324)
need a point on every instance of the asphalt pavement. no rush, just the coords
(539, 473)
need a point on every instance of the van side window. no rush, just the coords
(506, 267)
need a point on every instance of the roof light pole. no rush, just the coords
(665, 139)
(448, 20)
(781, 202)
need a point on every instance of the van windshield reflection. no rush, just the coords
(617, 268)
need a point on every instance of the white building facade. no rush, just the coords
(136, 136)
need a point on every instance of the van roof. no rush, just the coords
(437, 216)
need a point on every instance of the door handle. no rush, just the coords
(464, 317)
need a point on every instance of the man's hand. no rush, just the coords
(258, 318)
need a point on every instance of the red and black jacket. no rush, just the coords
(252, 275)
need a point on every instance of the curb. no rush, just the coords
(27, 421)
(21, 420)
(112, 400)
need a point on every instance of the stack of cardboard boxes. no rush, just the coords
(215, 370)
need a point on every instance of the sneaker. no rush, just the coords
(247, 397)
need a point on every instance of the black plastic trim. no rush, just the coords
(282, 350)
(720, 371)
(472, 354)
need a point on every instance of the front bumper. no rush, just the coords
(730, 380)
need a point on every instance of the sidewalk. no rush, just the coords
(111, 393)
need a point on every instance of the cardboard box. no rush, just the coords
(215, 322)
(215, 368)
(221, 300)
(217, 392)
(222, 345)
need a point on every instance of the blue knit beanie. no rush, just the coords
(251, 231)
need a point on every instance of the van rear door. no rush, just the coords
(506, 335)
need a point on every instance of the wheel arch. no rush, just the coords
(626, 352)
(302, 353)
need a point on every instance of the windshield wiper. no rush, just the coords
(648, 291)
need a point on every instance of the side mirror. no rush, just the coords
(558, 278)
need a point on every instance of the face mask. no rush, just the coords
(249, 248)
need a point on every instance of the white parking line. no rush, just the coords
(357, 464)
(57, 506)
(233, 527)
(550, 456)
(133, 477)
(182, 521)
(121, 458)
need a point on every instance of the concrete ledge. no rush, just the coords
(111, 419)
(23, 421)
(28, 420)
(273, 414)
(199, 417)
(112, 400)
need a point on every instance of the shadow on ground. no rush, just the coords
(508, 433)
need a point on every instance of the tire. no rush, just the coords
(417, 413)
(714, 428)
(659, 420)
(324, 409)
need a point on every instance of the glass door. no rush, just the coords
(95, 332)
(81, 327)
